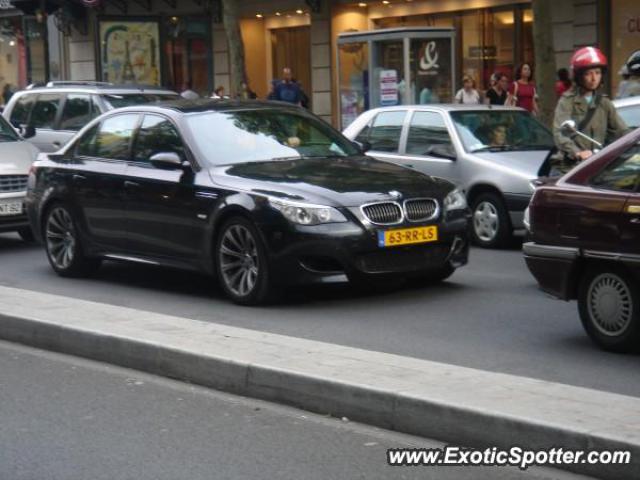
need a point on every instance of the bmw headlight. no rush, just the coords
(456, 200)
(306, 214)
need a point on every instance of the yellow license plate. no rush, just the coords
(407, 236)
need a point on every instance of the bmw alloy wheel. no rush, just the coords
(238, 260)
(61, 238)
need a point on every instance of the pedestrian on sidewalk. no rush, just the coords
(288, 90)
(497, 93)
(468, 93)
(522, 92)
(188, 92)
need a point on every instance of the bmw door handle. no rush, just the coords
(78, 178)
(130, 184)
(57, 144)
(635, 220)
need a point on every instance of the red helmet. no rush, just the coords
(586, 58)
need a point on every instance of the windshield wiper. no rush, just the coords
(494, 148)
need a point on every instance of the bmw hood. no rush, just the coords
(525, 163)
(16, 157)
(344, 181)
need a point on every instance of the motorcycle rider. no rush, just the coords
(592, 111)
(632, 87)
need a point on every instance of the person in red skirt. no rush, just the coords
(522, 92)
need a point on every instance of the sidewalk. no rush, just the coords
(459, 405)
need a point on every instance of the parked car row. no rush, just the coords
(262, 194)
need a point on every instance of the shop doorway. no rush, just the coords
(188, 56)
(291, 47)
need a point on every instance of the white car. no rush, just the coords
(16, 157)
(629, 110)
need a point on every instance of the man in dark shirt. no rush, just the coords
(288, 90)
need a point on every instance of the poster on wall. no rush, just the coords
(388, 87)
(130, 51)
(433, 72)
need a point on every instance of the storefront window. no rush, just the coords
(527, 37)
(188, 55)
(22, 54)
(389, 87)
(430, 61)
(486, 39)
(354, 80)
(625, 36)
(472, 46)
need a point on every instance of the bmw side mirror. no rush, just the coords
(364, 147)
(29, 131)
(167, 160)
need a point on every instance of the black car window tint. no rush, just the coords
(363, 136)
(114, 137)
(426, 130)
(157, 135)
(622, 174)
(385, 131)
(76, 113)
(21, 110)
(86, 146)
(45, 111)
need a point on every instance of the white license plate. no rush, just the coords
(10, 208)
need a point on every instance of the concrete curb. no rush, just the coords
(459, 405)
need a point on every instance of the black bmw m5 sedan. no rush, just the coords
(261, 195)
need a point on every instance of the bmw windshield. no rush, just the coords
(500, 130)
(265, 135)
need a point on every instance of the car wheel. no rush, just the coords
(609, 307)
(27, 234)
(242, 263)
(63, 246)
(490, 226)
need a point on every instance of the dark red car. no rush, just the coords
(584, 232)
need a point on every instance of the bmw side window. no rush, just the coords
(113, 139)
(622, 174)
(21, 110)
(45, 111)
(386, 130)
(77, 112)
(157, 135)
(428, 135)
(86, 146)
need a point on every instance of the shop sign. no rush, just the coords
(388, 87)
(429, 59)
(486, 53)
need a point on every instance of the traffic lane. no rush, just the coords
(490, 315)
(67, 418)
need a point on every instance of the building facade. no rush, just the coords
(177, 43)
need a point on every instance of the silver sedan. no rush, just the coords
(492, 153)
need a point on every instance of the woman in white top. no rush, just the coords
(468, 93)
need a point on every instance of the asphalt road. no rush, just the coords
(489, 315)
(64, 418)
